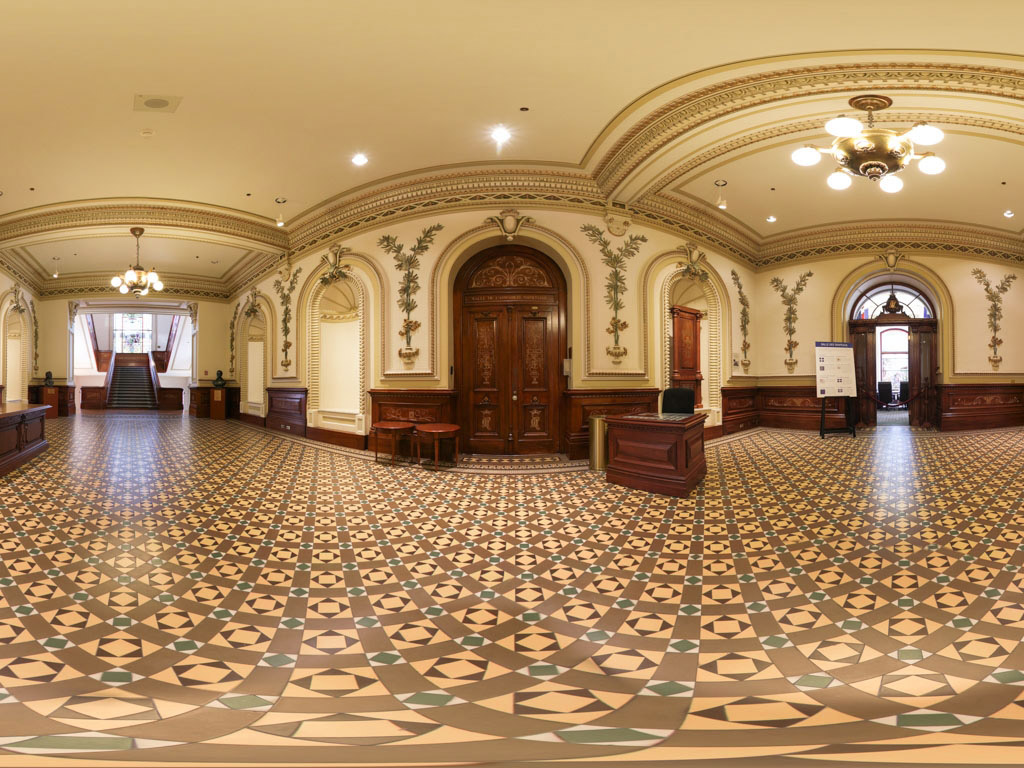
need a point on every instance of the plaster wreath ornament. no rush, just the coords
(284, 292)
(509, 222)
(744, 320)
(693, 267)
(615, 284)
(408, 264)
(251, 308)
(995, 309)
(789, 299)
(335, 270)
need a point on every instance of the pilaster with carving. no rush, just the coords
(615, 284)
(408, 264)
(995, 309)
(789, 300)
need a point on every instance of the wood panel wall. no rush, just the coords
(794, 407)
(980, 406)
(580, 404)
(286, 410)
(420, 406)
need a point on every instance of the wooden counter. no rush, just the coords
(660, 453)
(22, 434)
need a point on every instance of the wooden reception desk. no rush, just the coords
(661, 453)
(22, 434)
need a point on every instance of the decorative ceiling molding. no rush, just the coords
(666, 124)
(450, 191)
(93, 213)
(174, 285)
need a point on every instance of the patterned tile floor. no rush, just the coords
(196, 592)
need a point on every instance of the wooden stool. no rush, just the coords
(395, 429)
(437, 432)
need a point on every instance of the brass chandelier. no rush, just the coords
(135, 279)
(873, 153)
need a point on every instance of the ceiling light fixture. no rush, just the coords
(1008, 213)
(280, 218)
(136, 279)
(360, 159)
(721, 203)
(771, 219)
(874, 153)
(500, 134)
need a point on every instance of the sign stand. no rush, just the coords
(835, 377)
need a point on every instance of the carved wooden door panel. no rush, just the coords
(534, 399)
(863, 339)
(686, 351)
(510, 337)
(486, 367)
(923, 375)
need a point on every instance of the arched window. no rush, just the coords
(872, 304)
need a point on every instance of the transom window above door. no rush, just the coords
(872, 304)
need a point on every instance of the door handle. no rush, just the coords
(515, 396)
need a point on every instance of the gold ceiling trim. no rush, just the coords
(677, 117)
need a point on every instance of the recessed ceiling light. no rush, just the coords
(280, 200)
(147, 133)
(500, 134)
(771, 219)
(720, 182)
(1008, 213)
(360, 159)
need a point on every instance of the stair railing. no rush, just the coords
(154, 380)
(110, 378)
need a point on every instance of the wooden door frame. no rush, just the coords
(921, 413)
(462, 408)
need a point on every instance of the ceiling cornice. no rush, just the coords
(130, 212)
(669, 122)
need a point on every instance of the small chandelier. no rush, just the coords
(874, 153)
(135, 279)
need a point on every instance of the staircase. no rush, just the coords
(130, 387)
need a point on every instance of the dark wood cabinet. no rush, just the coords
(580, 404)
(686, 351)
(60, 398)
(286, 410)
(200, 398)
(660, 453)
(22, 434)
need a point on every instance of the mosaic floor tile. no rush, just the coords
(866, 591)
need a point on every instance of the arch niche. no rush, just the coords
(922, 348)
(510, 339)
(16, 342)
(337, 333)
(254, 359)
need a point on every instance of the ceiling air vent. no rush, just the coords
(151, 102)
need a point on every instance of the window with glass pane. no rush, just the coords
(133, 333)
(914, 303)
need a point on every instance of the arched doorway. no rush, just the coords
(895, 309)
(510, 340)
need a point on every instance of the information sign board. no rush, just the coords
(833, 368)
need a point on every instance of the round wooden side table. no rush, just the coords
(437, 432)
(396, 429)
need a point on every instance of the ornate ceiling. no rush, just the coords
(641, 106)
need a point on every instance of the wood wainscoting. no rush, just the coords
(286, 410)
(794, 407)
(581, 404)
(980, 406)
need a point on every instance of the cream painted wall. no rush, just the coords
(54, 339)
(13, 382)
(339, 368)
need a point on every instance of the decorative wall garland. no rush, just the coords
(789, 299)
(408, 263)
(744, 320)
(615, 285)
(335, 270)
(995, 309)
(285, 294)
(231, 340)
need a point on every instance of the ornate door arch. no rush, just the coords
(510, 340)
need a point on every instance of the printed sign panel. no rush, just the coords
(833, 368)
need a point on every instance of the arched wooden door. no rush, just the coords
(510, 340)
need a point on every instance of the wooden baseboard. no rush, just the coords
(710, 433)
(257, 421)
(344, 439)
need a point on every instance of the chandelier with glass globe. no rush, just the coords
(873, 153)
(135, 279)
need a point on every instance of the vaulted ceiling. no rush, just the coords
(642, 105)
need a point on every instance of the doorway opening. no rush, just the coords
(510, 341)
(894, 333)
